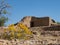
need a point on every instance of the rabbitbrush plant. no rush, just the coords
(19, 31)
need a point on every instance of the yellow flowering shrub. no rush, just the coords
(11, 27)
(25, 28)
(16, 32)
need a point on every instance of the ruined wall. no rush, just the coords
(26, 21)
(31, 21)
(52, 28)
(44, 21)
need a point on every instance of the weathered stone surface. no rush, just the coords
(31, 21)
(45, 32)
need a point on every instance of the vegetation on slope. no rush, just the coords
(19, 31)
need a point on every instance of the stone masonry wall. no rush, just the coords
(44, 21)
(36, 22)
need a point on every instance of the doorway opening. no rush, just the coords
(32, 24)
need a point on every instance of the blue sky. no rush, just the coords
(38, 8)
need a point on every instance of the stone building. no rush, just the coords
(31, 21)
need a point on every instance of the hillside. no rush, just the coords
(23, 34)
